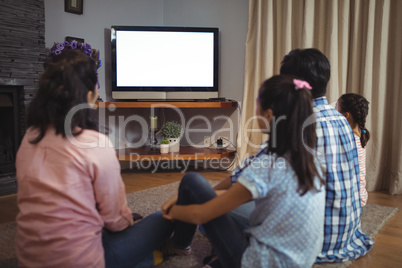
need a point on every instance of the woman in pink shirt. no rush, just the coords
(72, 203)
(355, 108)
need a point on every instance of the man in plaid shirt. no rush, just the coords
(336, 150)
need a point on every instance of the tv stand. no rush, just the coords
(176, 100)
(186, 152)
(166, 104)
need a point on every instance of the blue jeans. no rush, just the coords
(241, 214)
(134, 246)
(224, 233)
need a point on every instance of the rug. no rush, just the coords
(148, 201)
(8, 184)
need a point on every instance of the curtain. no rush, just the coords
(363, 41)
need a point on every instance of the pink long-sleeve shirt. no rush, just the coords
(67, 192)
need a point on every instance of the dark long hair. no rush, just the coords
(358, 108)
(291, 107)
(65, 83)
(310, 65)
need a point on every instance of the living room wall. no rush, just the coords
(230, 16)
(22, 46)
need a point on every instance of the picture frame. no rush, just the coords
(71, 38)
(74, 6)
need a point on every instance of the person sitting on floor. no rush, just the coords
(284, 179)
(355, 108)
(72, 203)
(344, 239)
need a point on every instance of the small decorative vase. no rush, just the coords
(174, 145)
(164, 148)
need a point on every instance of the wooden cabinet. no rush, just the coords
(186, 152)
(192, 104)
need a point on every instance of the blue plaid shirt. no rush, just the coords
(337, 153)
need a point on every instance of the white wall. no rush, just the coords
(230, 16)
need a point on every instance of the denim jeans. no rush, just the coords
(225, 235)
(134, 246)
(241, 214)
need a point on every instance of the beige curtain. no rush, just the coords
(363, 41)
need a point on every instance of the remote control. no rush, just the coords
(217, 99)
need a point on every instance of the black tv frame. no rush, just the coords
(161, 93)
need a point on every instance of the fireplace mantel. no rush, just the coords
(16, 82)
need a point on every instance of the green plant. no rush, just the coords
(164, 142)
(171, 129)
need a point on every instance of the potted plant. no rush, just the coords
(164, 146)
(172, 131)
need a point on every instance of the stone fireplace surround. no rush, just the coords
(11, 122)
(22, 54)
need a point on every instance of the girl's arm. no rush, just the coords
(172, 201)
(219, 189)
(168, 205)
(218, 206)
(224, 185)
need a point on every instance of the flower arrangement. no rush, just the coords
(58, 48)
(171, 129)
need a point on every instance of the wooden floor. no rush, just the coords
(387, 251)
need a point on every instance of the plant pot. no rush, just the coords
(174, 145)
(164, 148)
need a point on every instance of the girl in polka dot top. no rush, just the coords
(284, 179)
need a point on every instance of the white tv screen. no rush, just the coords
(146, 58)
(164, 59)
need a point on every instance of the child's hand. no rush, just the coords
(168, 215)
(168, 205)
(137, 216)
(219, 192)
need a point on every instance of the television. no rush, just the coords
(164, 63)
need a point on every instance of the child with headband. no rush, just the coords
(355, 108)
(284, 179)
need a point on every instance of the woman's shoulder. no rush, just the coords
(88, 142)
(89, 139)
(86, 135)
(92, 134)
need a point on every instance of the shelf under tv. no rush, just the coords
(166, 104)
(185, 153)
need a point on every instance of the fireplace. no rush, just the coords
(22, 53)
(11, 121)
